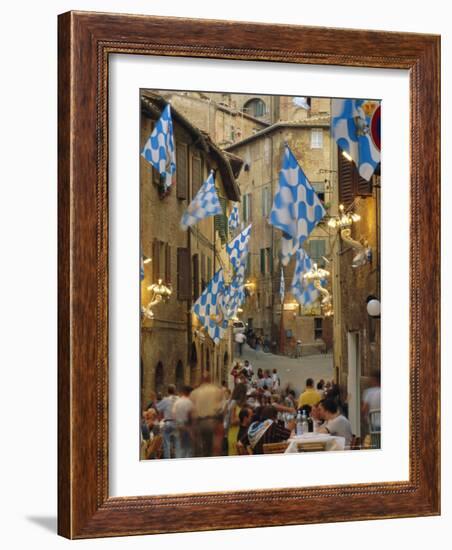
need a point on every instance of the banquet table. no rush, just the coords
(332, 442)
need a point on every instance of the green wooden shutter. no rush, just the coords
(263, 251)
(221, 222)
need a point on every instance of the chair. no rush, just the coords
(311, 446)
(275, 448)
(241, 449)
(374, 419)
(155, 447)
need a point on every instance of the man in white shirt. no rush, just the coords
(182, 414)
(240, 339)
(165, 408)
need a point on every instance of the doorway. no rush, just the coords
(354, 382)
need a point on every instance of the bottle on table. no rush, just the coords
(299, 424)
(304, 423)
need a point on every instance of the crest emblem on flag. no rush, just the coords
(296, 207)
(208, 308)
(159, 149)
(238, 248)
(356, 129)
(205, 204)
(304, 292)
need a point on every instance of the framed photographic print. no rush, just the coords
(248, 275)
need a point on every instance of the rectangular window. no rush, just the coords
(196, 175)
(318, 328)
(203, 271)
(221, 222)
(209, 269)
(263, 261)
(195, 271)
(351, 184)
(182, 170)
(317, 250)
(183, 274)
(167, 263)
(316, 138)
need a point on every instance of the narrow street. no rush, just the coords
(291, 370)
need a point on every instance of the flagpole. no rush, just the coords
(282, 332)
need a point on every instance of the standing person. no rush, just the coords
(249, 370)
(335, 422)
(165, 409)
(276, 381)
(235, 372)
(240, 339)
(310, 396)
(244, 422)
(298, 349)
(371, 402)
(207, 413)
(182, 412)
(237, 401)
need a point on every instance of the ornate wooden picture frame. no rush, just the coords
(86, 40)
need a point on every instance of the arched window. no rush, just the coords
(159, 378)
(180, 380)
(255, 107)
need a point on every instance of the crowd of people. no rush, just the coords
(216, 421)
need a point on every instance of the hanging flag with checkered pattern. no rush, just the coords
(296, 207)
(234, 221)
(205, 204)
(234, 294)
(238, 248)
(208, 308)
(304, 292)
(356, 129)
(159, 149)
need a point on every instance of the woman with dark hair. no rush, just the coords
(232, 421)
(267, 429)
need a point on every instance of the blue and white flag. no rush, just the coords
(206, 203)
(296, 207)
(234, 221)
(301, 102)
(234, 294)
(141, 267)
(304, 292)
(159, 149)
(208, 308)
(356, 129)
(282, 286)
(238, 248)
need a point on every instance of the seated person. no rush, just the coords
(335, 423)
(266, 429)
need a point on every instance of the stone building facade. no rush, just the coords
(215, 114)
(174, 349)
(356, 334)
(262, 153)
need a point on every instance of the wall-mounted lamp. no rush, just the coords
(159, 294)
(343, 222)
(315, 276)
(373, 307)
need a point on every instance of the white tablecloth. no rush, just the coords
(333, 443)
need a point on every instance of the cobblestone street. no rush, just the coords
(291, 370)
